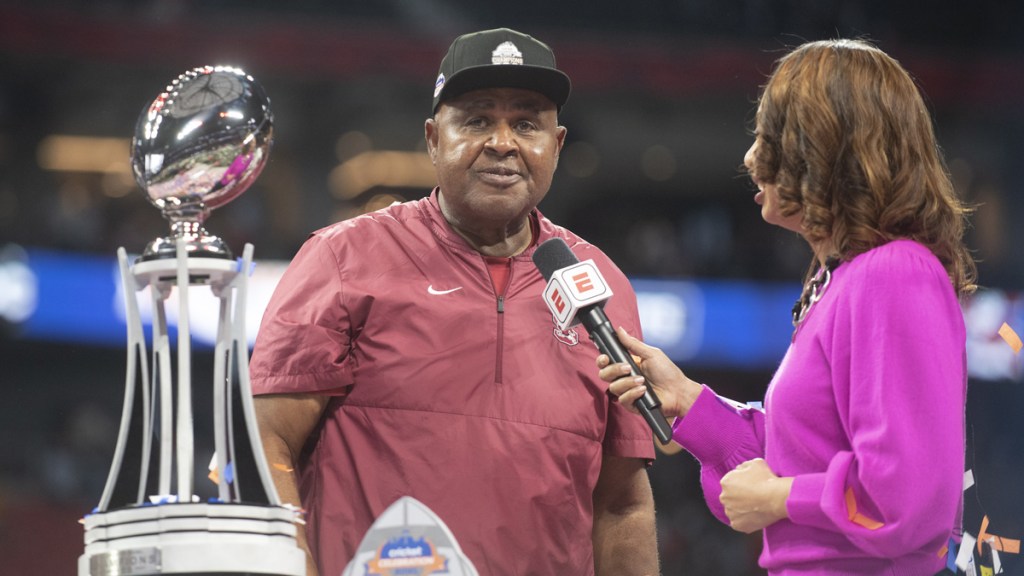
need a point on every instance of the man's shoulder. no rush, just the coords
(585, 250)
(368, 225)
(580, 246)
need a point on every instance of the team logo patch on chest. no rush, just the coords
(569, 336)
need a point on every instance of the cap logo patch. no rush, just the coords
(506, 53)
(438, 85)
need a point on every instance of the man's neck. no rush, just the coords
(500, 245)
(502, 240)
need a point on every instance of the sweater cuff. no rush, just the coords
(705, 432)
(804, 502)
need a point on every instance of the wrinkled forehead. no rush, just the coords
(492, 98)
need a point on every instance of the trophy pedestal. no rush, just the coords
(149, 520)
(191, 539)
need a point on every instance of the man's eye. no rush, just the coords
(525, 126)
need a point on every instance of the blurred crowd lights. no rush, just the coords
(107, 157)
(65, 153)
(387, 168)
(19, 287)
(361, 168)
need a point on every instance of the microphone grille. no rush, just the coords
(554, 254)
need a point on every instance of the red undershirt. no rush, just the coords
(500, 266)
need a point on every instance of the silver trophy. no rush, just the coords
(200, 144)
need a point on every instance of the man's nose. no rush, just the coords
(503, 139)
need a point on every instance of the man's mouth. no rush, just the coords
(500, 175)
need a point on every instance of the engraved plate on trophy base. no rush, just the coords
(137, 562)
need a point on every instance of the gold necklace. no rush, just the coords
(813, 290)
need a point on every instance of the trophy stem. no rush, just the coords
(198, 242)
(184, 442)
(187, 229)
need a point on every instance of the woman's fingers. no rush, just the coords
(634, 345)
(612, 372)
(630, 396)
(628, 390)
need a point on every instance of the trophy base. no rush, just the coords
(195, 247)
(192, 539)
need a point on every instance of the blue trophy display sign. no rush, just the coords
(408, 538)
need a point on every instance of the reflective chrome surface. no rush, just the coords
(200, 144)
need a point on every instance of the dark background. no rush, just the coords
(659, 118)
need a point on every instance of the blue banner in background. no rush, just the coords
(728, 324)
(741, 325)
(61, 297)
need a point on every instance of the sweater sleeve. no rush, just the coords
(721, 434)
(899, 379)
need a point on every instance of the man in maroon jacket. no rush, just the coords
(408, 352)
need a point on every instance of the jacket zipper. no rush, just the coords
(501, 337)
(500, 351)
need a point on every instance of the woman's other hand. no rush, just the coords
(753, 496)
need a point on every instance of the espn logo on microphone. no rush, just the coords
(572, 288)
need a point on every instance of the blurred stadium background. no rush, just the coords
(659, 119)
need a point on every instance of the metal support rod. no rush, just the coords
(245, 390)
(222, 397)
(183, 431)
(164, 382)
(136, 353)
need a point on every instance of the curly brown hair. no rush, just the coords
(847, 139)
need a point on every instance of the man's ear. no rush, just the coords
(560, 133)
(430, 135)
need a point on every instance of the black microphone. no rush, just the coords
(576, 292)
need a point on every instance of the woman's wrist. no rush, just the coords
(781, 487)
(688, 397)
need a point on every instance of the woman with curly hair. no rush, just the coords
(856, 464)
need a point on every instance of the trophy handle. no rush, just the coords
(241, 348)
(137, 364)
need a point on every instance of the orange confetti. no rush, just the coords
(1007, 545)
(1011, 337)
(214, 476)
(283, 467)
(983, 533)
(857, 517)
(943, 551)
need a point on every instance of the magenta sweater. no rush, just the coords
(867, 408)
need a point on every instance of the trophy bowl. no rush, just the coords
(197, 146)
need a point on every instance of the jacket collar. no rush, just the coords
(544, 229)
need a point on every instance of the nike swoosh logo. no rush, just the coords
(436, 292)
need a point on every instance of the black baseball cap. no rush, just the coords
(500, 58)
